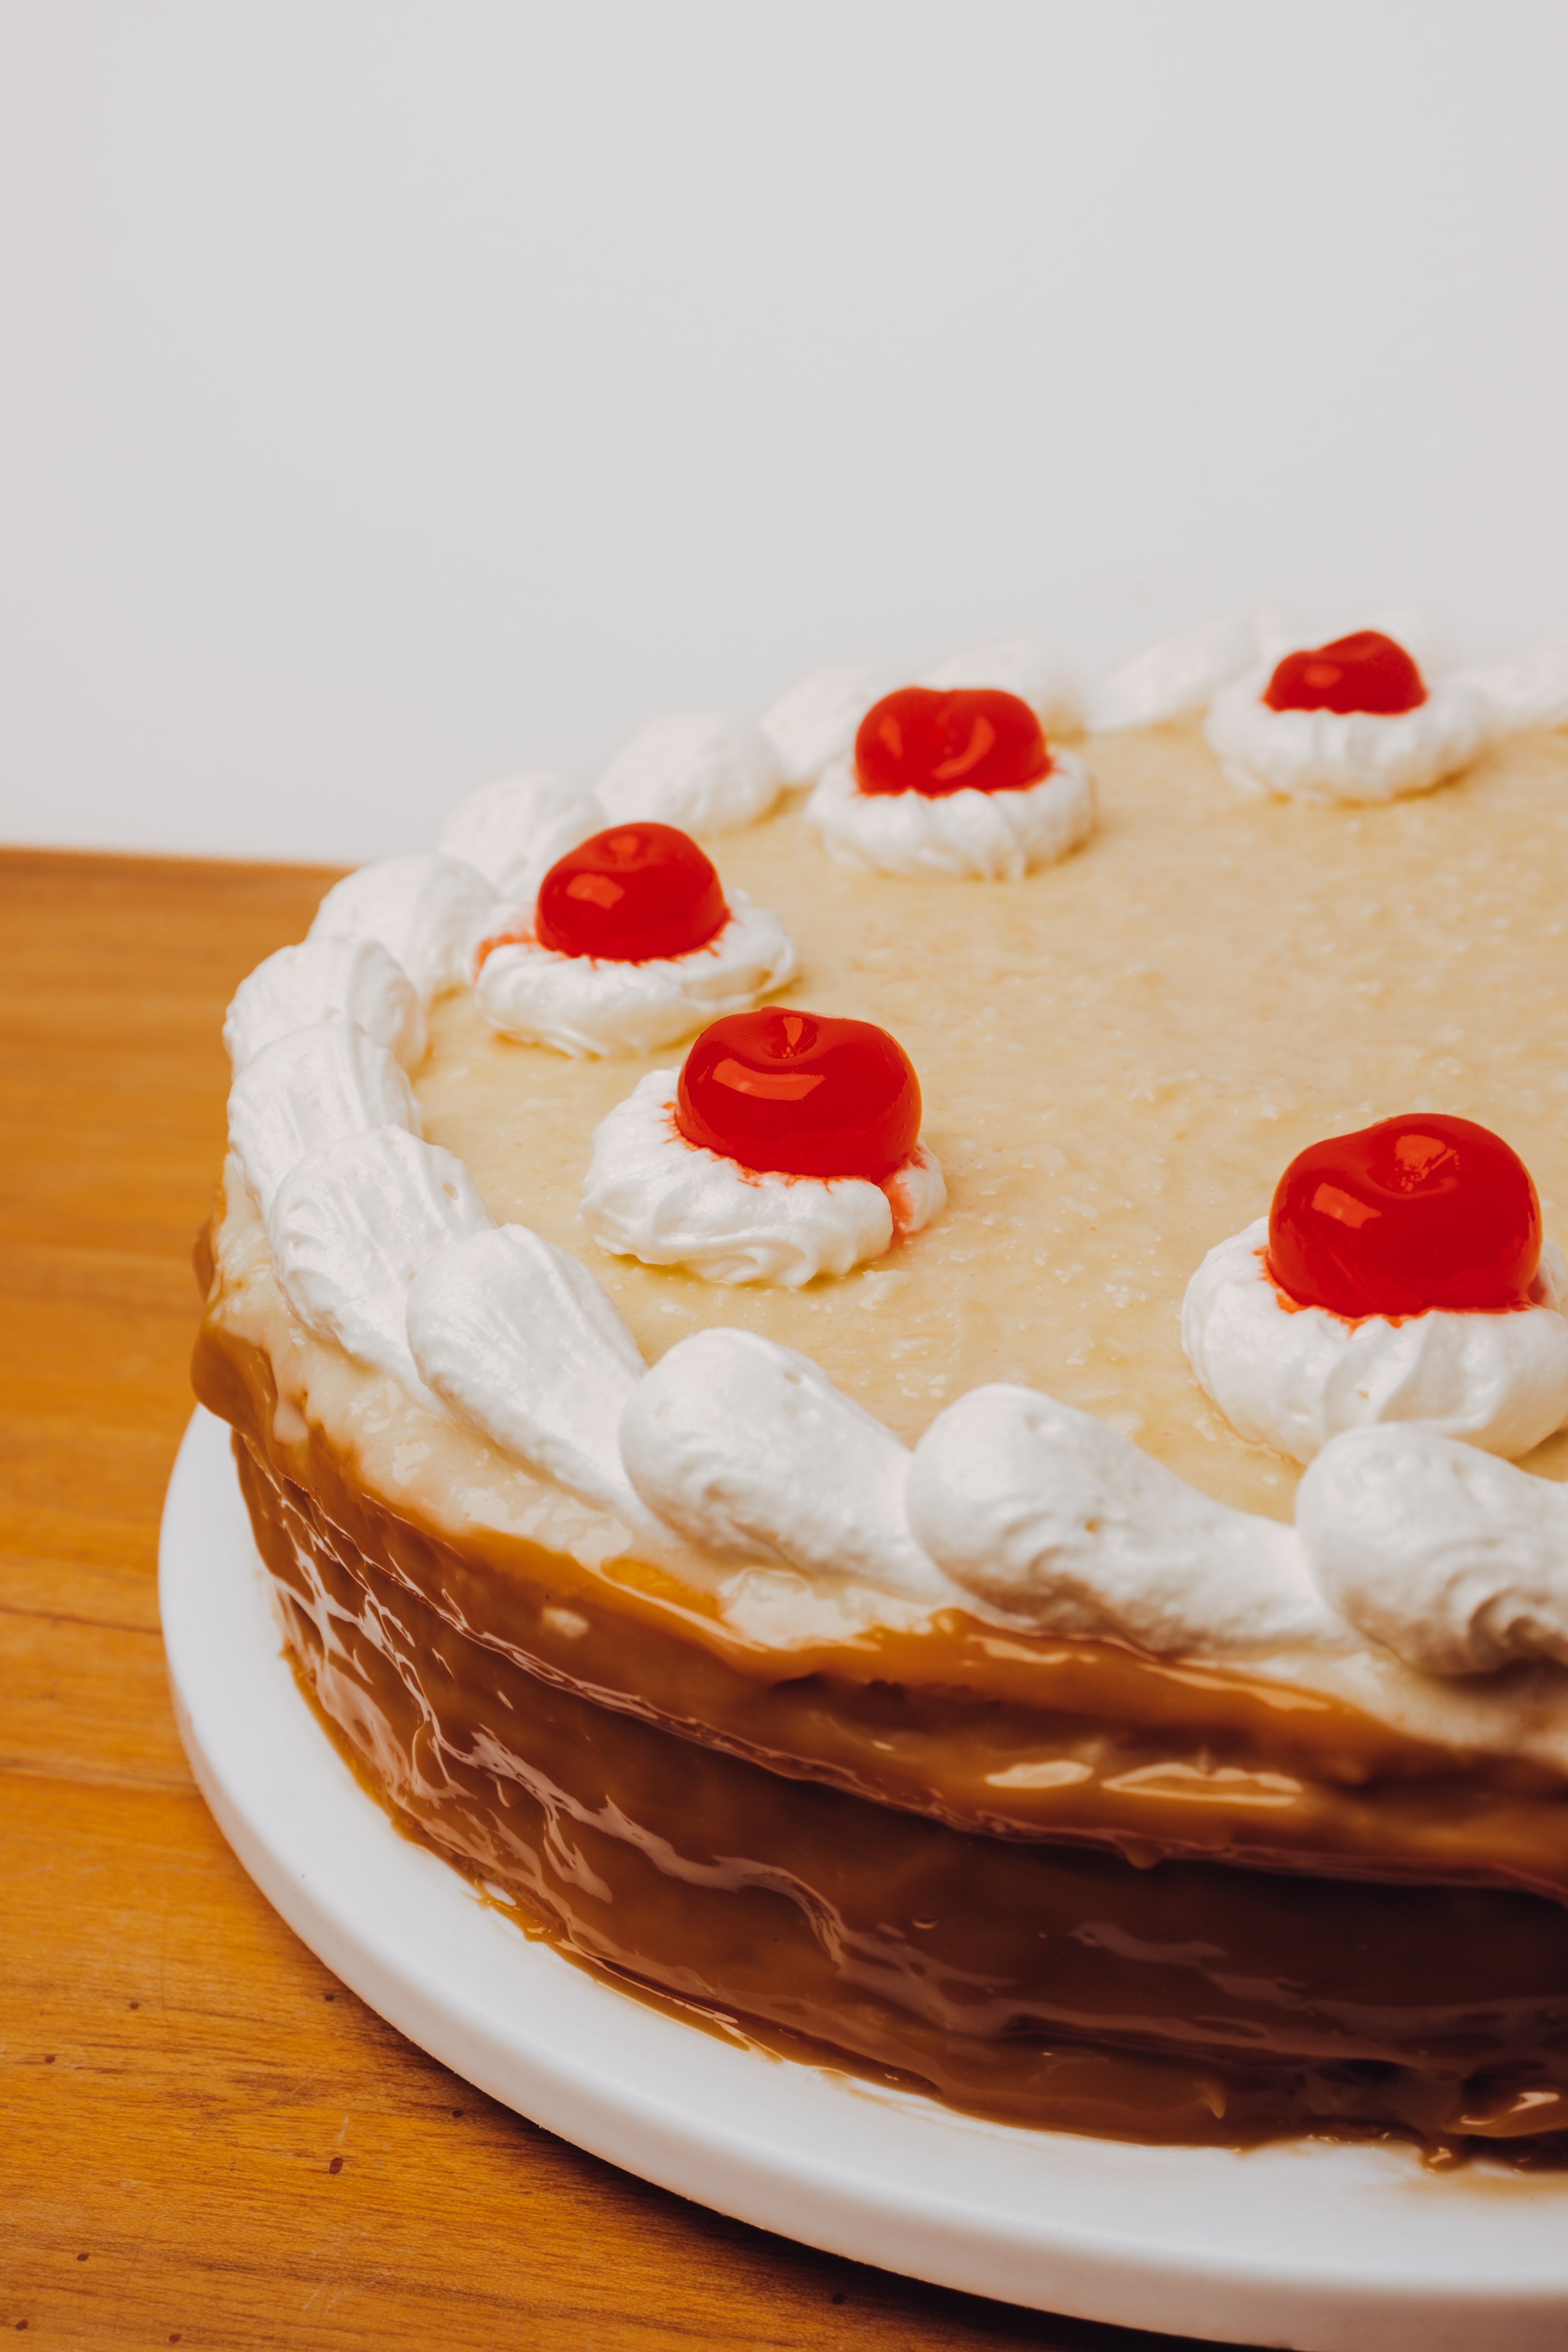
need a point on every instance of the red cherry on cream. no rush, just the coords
(1417, 1211)
(801, 1093)
(955, 739)
(629, 894)
(1366, 671)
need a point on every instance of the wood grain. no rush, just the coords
(204, 2139)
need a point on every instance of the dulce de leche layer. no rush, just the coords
(1041, 1983)
(1012, 1735)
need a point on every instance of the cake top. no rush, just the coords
(1118, 1055)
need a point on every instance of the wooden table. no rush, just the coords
(205, 2139)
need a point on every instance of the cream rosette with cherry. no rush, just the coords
(630, 945)
(786, 1147)
(1400, 1276)
(952, 779)
(1351, 720)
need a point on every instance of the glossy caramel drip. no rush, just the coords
(1040, 1983)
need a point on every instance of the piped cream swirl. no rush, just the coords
(650, 1194)
(1353, 755)
(1293, 1377)
(590, 1005)
(987, 836)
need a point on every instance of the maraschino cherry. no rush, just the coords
(1417, 1211)
(802, 1094)
(955, 739)
(1366, 671)
(627, 894)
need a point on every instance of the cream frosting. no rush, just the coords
(513, 831)
(588, 1004)
(916, 1192)
(1455, 1561)
(427, 911)
(350, 1225)
(989, 836)
(1061, 1522)
(705, 771)
(747, 1449)
(1352, 755)
(814, 720)
(1179, 674)
(1293, 1378)
(327, 980)
(649, 1194)
(1025, 666)
(313, 1086)
(518, 1340)
(1526, 689)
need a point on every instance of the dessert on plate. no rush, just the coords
(795, 1448)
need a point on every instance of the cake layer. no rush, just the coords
(1013, 1734)
(1039, 1983)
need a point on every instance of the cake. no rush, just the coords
(829, 1601)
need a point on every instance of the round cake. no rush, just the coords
(752, 1303)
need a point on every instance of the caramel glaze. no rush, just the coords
(1043, 1983)
(1013, 1735)
(649, 1832)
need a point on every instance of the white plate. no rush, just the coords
(1329, 2249)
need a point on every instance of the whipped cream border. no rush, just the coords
(1454, 1560)
(705, 771)
(513, 831)
(425, 909)
(326, 980)
(1013, 1505)
(315, 1085)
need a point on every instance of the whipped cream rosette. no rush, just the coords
(630, 945)
(953, 780)
(1351, 720)
(1400, 1276)
(786, 1147)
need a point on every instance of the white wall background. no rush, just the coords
(399, 392)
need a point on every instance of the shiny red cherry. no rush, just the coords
(801, 1093)
(629, 894)
(1417, 1211)
(953, 739)
(1366, 671)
